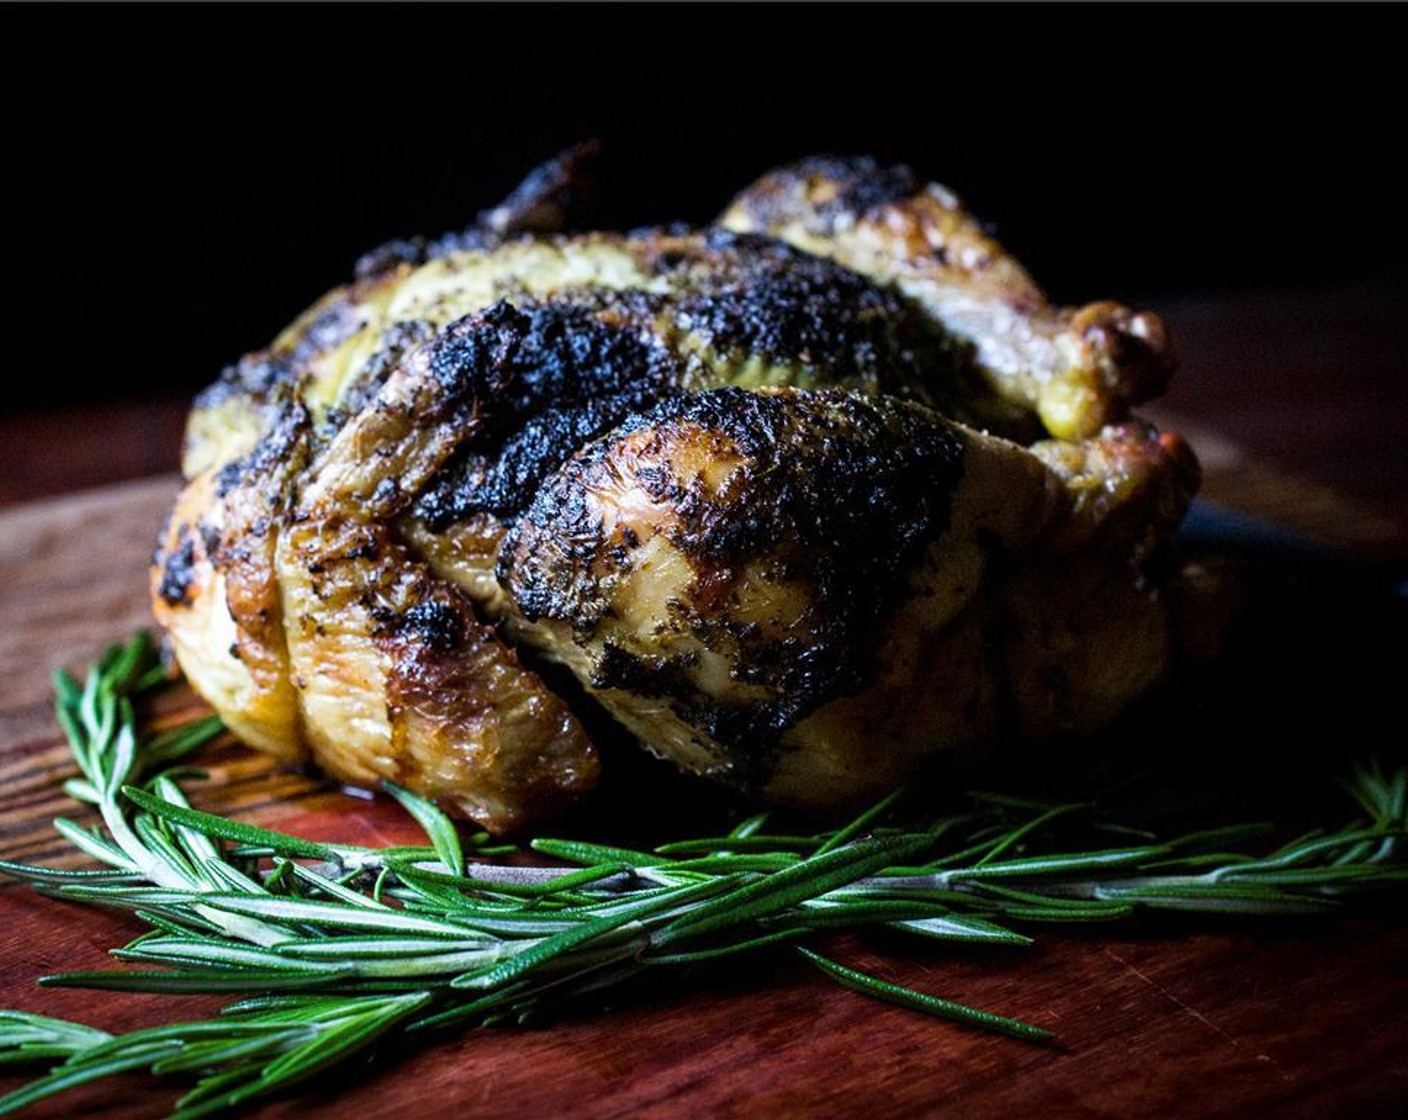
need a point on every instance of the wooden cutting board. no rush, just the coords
(1193, 1021)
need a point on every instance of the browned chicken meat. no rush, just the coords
(798, 501)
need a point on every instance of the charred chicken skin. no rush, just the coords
(798, 501)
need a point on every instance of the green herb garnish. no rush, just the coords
(332, 947)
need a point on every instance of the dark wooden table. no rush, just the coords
(1299, 407)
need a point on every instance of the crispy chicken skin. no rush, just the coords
(1077, 368)
(798, 501)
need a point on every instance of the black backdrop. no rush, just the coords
(182, 181)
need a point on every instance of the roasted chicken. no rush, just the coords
(797, 501)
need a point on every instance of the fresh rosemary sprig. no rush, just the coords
(332, 947)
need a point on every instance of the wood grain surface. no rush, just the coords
(1193, 1021)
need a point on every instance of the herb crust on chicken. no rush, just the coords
(798, 500)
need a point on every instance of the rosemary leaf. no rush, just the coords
(441, 830)
(226, 829)
(190, 981)
(804, 880)
(930, 1005)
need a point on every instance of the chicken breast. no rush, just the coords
(798, 501)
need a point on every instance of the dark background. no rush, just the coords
(220, 168)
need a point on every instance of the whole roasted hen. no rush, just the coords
(797, 500)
